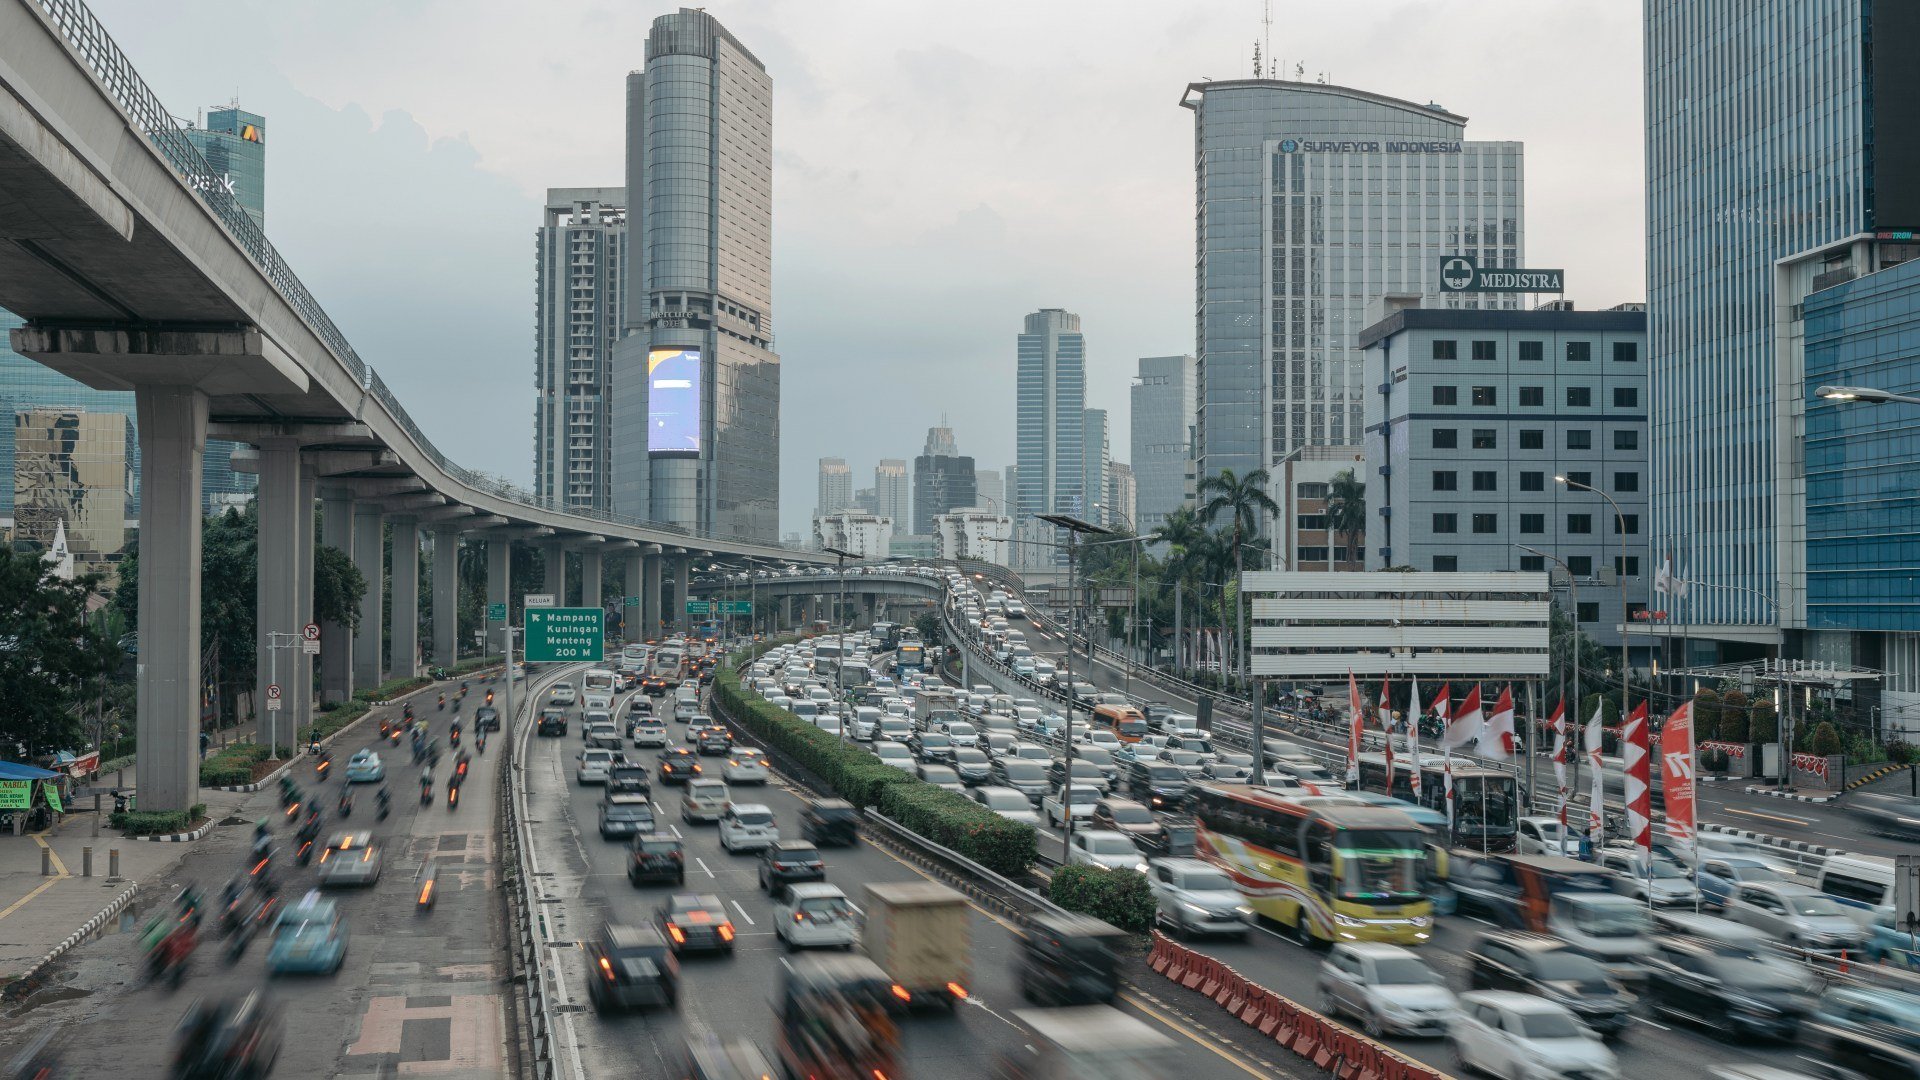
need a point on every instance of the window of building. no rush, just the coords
(1446, 438)
(1580, 565)
(1486, 523)
(1533, 395)
(1446, 350)
(1446, 564)
(1632, 522)
(1588, 612)
(1484, 350)
(1533, 481)
(1626, 397)
(1533, 523)
(1486, 480)
(1533, 350)
(1584, 479)
(1636, 612)
(1579, 439)
(1628, 566)
(1446, 395)
(1446, 480)
(1486, 438)
(1313, 521)
(1533, 563)
(1485, 395)
(1580, 524)
(1446, 523)
(1579, 397)
(1312, 554)
(1626, 481)
(1579, 352)
(1627, 439)
(1310, 491)
(1626, 352)
(1533, 439)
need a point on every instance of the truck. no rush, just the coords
(921, 934)
(934, 699)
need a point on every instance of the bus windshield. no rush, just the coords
(598, 679)
(1378, 865)
(1484, 803)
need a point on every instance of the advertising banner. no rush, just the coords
(673, 400)
(1677, 773)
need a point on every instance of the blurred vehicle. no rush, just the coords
(1076, 800)
(1542, 834)
(486, 718)
(678, 765)
(1157, 784)
(831, 1024)
(972, 765)
(1195, 897)
(1105, 849)
(227, 1038)
(1509, 1034)
(563, 693)
(712, 740)
(921, 934)
(1612, 929)
(746, 765)
(601, 733)
(365, 768)
(941, 776)
(1720, 876)
(1125, 816)
(931, 747)
(1070, 960)
(656, 857)
(894, 754)
(1387, 988)
(747, 827)
(631, 966)
(1088, 1041)
(815, 914)
(625, 814)
(705, 800)
(649, 733)
(1861, 883)
(594, 765)
(308, 938)
(1514, 891)
(784, 862)
(350, 859)
(696, 922)
(1889, 815)
(709, 1058)
(1024, 775)
(1175, 840)
(1006, 802)
(1728, 990)
(629, 777)
(1544, 968)
(830, 823)
(553, 722)
(1796, 915)
(1669, 882)
(1867, 1031)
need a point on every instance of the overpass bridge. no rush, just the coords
(798, 594)
(135, 269)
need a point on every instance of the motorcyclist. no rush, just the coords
(480, 742)
(426, 785)
(460, 769)
(442, 705)
(384, 798)
(262, 839)
(346, 800)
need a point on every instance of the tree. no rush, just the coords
(338, 587)
(51, 656)
(1179, 532)
(1245, 502)
(1825, 739)
(1709, 714)
(1763, 723)
(1347, 508)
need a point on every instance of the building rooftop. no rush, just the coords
(1619, 322)
(1429, 110)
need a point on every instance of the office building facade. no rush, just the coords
(990, 489)
(1050, 413)
(836, 487)
(1474, 414)
(72, 470)
(1305, 538)
(857, 532)
(1122, 497)
(579, 309)
(1095, 451)
(234, 143)
(973, 532)
(1311, 201)
(695, 415)
(1161, 414)
(941, 483)
(893, 491)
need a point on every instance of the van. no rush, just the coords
(1125, 721)
(1863, 883)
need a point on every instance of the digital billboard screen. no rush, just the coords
(673, 401)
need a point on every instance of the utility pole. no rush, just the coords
(1074, 527)
(274, 645)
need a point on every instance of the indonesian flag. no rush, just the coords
(1443, 705)
(1497, 743)
(1558, 721)
(1413, 740)
(1636, 756)
(1467, 726)
(1386, 725)
(1677, 773)
(1596, 777)
(1357, 717)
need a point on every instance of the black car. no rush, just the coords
(678, 765)
(238, 1036)
(931, 747)
(486, 718)
(657, 857)
(552, 722)
(830, 822)
(696, 922)
(1542, 967)
(630, 966)
(628, 776)
(625, 814)
(784, 862)
(1024, 775)
(1070, 960)
(1158, 784)
(1725, 988)
(713, 741)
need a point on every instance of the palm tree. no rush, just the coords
(1180, 532)
(1347, 508)
(1245, 502)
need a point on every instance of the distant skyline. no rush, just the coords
(409, 182)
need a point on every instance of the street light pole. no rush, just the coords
(1573, 661)
(840, 621)
(1074, 527)
(1620, 579)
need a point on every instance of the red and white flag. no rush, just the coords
(1386, 725)
(1677, 772)
(1448, 772)
(1356, 717)
(1413, 740)
(1596, 776)
(1637, 762)
(1558, 721)
(1468, 724)
(1443, 705)
(1497, 742)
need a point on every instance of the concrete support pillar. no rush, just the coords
(446, 595)
(632, 587)
(173, 440)
(404, 622)
(302, 660)
(370, 555)
(592, 560)
(336, 641)
(682, 578)
(868, 601)
(554, 580)
(277, 586)
(499, 587)
(650, 596)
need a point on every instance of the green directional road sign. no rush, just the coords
(560, 635)
(699, 607)
(496, 613)
(733, 607)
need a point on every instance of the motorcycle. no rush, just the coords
(426, 792)
(385, 802)
(323, 766)
(453, 796)
(394, 737)
(423, 884)
(167, 956)
(346, 802)
(480, 743)
(454, 736)
(442, 705)
(258, 919)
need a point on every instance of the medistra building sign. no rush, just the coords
(1462, 273)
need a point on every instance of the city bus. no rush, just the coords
(1326, 866)
(1486, 801)
(1125, 721)
(633, 658)
(597, 681)
(910, 656)
(666, 667)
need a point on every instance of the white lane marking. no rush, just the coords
(675, 830)
(1650, 1023)
(1483, 922)
(703, 865)
(743, 913)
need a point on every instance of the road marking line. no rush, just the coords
(703, 865)
(59, 868)
(743, 913)
(1650, 1023)
(1169, 1022)
(675, 830)
(1788, 818)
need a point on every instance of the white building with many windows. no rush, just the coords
(869, 536)
(973, 533)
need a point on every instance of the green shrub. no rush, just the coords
(959, 824)
(1714, 761)
(1826, 740)
(156, 822)
(1119, 897)
(225, 773)
(1902, 753)
(1763, 723)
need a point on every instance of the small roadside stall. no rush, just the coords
(30, 796)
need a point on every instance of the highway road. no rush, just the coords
(734, 996)
(417, 993)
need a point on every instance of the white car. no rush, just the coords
(1105, 848)
(815, 914)
(649, 733)
(704, 800)
(894, 754)
(1006, 802)
(594, 766)
(1544, 835)
(1509, 1034)
(866, 723)
(1196, 897)
(1389, 989)
(748, 827)
(562, 693)
(746, 766)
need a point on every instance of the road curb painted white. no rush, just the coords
(1775, 793)
(1774, 841)
(180, 837)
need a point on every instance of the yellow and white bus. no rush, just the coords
(1327, 866)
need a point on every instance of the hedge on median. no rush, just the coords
(156, 822)
(1121, 898)
(951, 820)
(392, 688)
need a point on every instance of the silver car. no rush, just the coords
(1387, 988)
(1797, 915)
(1195, 897)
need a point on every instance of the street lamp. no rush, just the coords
(840, 620)
(1074, 527)
(1620, 579)
(1573, 661)
(1865, 395)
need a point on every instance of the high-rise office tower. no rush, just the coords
(695, 381)
(990, 488)
(893, 492)
(235, 145)
(1162, 435)
(836, 487)
(942, 479)
(1095, 452)
(579, 304)
(1051, 408)
(1312, 201)
(1122, 498)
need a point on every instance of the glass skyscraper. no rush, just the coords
(25, 384)
(235, 145)
(1311, 202)
(1162, 433)
(1050, 409)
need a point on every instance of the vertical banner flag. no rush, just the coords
(1596, 778)
(1413, 740)
(1386, 725)
(1637, 761)
(1466, 726)
(1677, 773)
(1448, 774)
(1559, 724)
(1498, 741)
(1356, 717)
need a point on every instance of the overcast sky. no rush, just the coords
(940, 169)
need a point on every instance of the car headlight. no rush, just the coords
(1347, 920)
(1140, 868)
(1244, 912)
(1421, 921)
(1195, 908)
